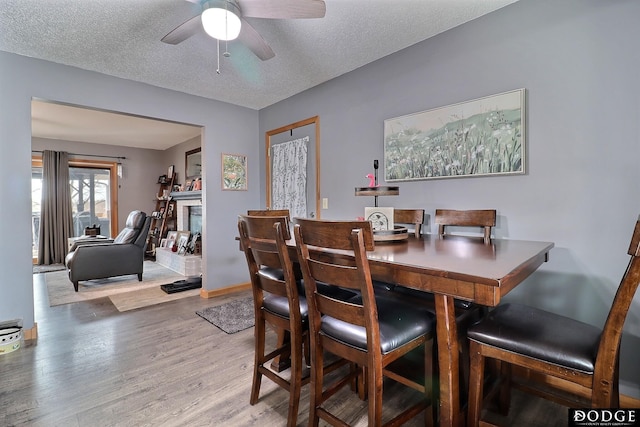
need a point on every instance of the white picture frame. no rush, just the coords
(381, 218)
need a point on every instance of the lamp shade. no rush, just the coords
(221, 20)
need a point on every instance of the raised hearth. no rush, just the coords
(187, 265)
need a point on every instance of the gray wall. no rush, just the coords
(579, 61)
(176, 156)
(226, 128)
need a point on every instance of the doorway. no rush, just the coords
(309, 131)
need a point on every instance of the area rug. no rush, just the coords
(37, 269)
(149, 296)
(231, 317)
(60, 288)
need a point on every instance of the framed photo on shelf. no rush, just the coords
(170, 172)
(182, 243)
(163, 243)
(381, 218)
(182, 234)
(171, 238)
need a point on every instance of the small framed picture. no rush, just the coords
(182, 235)
(171, 238)
(163, 243)
(170, 172)
(182, 243)
(381, 218)
(162, 179)
(234, 172)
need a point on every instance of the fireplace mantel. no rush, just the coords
(186, 195)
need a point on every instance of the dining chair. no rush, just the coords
(556, 346)
(468, 218)
(413, 217)
(371, 331)
(276, 302)
(268, 212)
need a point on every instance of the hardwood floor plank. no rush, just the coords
(164, 366)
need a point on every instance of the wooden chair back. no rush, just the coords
(605, 377)
(581, 384)
(273, 280)
(414, 217)
(317, 242)
(263, 240)
(268, 212)
(468, 218)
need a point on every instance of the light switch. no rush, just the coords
(325, 203)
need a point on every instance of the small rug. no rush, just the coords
(149, 296)
(60, 288)
(37, 269)
(231, 317)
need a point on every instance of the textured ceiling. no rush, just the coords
(122, 38)
(70, 123)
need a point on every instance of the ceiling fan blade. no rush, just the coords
(282, 9)
(183, 31)
(254, 41)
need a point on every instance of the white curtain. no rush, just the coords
(289, 177)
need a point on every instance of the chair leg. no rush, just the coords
(476, 383)
(295, 380)
(429, 413)
(317, 376)
(259, 337)
(139, 277)
(374, 381)
(75, 285)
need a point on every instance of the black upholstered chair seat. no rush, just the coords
(280, 305)
(399, 323)
(540, 335)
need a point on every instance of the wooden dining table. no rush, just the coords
(454, 267)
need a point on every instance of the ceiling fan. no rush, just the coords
(224, 20)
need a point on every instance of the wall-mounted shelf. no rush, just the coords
(377, 190)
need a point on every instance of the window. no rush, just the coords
(93, 197)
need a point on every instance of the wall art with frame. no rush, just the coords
(481, 137)
(234, 172)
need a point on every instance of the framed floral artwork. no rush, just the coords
(234, 172)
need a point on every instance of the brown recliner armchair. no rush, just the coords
(97, 259)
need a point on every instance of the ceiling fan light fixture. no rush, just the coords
(221, 19)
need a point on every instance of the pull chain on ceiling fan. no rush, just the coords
(225, 20)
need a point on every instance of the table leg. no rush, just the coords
(283, 361)
(448, 361)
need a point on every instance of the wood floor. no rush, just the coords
(161, 366)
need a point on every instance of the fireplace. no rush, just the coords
(194, 219)
(189, 216)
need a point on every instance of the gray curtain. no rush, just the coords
(56, 219)
(289, 184)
